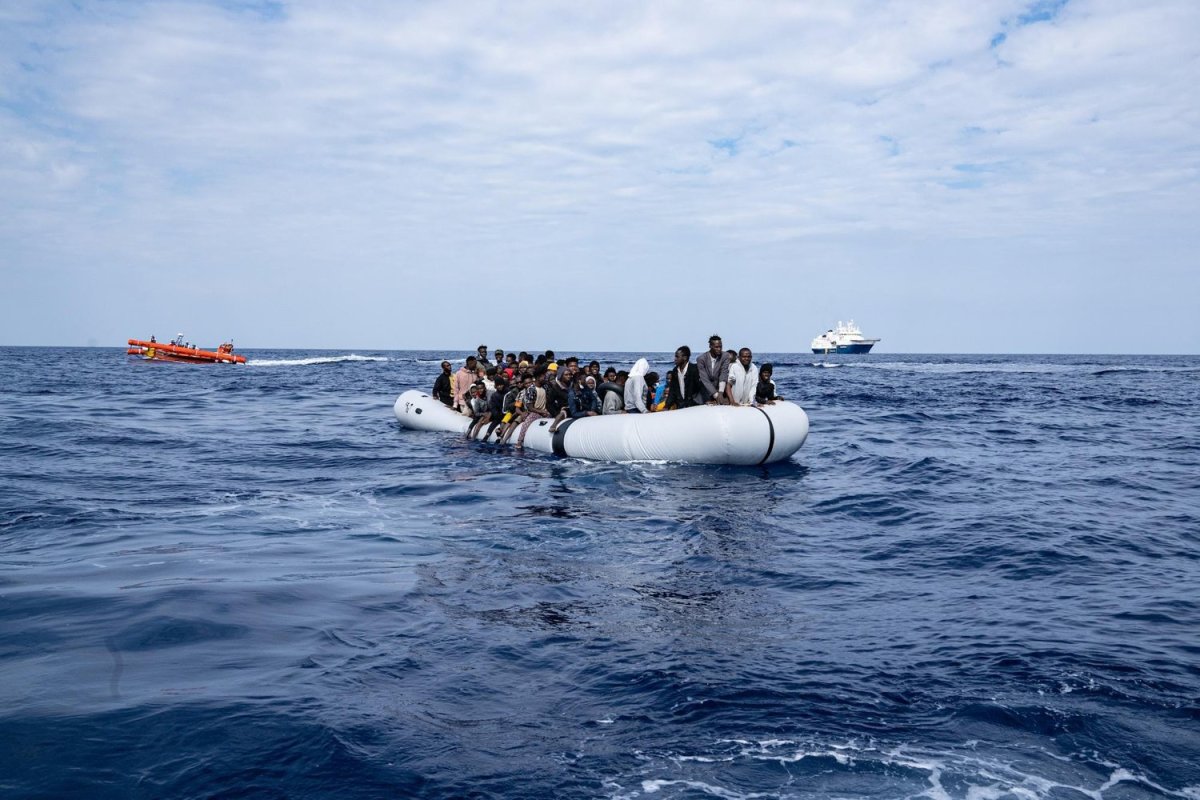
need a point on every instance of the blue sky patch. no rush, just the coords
(966, 183)
(267, 9)
(1042, 11)
(730, 144)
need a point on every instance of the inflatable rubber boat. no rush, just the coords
(699, 435)
(171, 351)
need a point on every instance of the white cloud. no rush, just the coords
(415, 146)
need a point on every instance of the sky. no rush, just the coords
(993, 176)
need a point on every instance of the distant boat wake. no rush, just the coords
(304, 362)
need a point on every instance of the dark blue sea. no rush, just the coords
(979, 578)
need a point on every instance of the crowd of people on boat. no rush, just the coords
(507, 394)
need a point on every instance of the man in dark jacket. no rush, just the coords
(714, 371)
(683, 382)
(442, 388)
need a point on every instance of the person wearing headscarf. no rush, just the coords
(635, 388)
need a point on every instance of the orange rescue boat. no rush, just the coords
(168, 351)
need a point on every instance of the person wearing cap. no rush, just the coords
(557, 383)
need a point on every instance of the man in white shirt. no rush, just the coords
(743, 379)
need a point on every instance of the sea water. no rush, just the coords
(979, 578)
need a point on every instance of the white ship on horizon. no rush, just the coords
(845, 338)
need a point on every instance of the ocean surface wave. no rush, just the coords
(977, 579)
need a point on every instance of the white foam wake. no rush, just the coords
(304, 362)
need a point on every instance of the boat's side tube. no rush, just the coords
(423, 412)
(700, 435)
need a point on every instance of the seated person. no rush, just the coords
(494, 412)
(654, 398)
(635, 388)
(765, 394)
(612, 393)
(478, 401)
(582, 400)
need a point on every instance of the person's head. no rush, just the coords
(683, 355)
(511, 358)
(572, 361)
(549, 355)
(744, 356)
(539, 374)
(482, 351)
(594, 368)
(610, 374)
(651, 378)
(714, 345)
(499, 356)
(490, 372)
(539, 361)
(445, 366)
(622, 376)
(589, 382)
(471, 363)
(766, 370)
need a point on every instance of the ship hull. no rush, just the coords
(844, 349)
(165, 351)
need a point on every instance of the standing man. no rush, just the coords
(443, 386)
(743, 379)
(713, 367)
(462, 385)
(683, 382)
